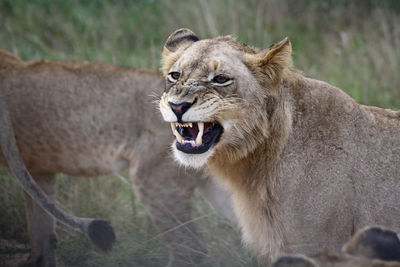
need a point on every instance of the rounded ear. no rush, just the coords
(374, 243)
(271, 62)
(177, 42)
(296, 260)
(179, 39)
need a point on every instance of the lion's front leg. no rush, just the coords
(165, 191)
(41, 226)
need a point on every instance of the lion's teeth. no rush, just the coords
(173, 126)
(199, 138)
(189, 142)
(179, 138)
(188, 124)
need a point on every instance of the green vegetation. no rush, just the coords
(354, 45)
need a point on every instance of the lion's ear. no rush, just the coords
(179, 39)
(177, 42)
(273, 61)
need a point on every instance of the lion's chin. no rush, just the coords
(196, 161)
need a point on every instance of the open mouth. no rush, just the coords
(196, 137)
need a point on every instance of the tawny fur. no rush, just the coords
(306, 164)
(88, 119)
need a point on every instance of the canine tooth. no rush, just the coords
(190, 124)
(179, 138)
(199, 138)
(173, 126)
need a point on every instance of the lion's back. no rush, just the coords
(76, 113)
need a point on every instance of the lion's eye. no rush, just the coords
(174, 76)
(221, 80)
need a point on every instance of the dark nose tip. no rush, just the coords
(180, 109)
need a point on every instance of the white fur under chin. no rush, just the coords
(196, 161)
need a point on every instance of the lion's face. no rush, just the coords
(213, 98)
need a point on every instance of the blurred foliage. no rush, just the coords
(354, 45)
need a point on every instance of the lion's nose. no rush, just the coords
(180, 109)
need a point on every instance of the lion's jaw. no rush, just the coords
(201, 131)
(196, 161)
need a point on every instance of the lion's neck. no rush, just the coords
(253, 182)
(253, 191)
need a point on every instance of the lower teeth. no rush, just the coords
(192, 142)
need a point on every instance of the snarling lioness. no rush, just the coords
(306, 164)
(89, 119)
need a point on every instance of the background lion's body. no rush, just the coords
(87, 119)
(76, 115)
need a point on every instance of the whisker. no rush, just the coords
(154, 95)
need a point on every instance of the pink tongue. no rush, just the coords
(193, 131)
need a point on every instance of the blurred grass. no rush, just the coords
(138, 242)
(354, 45)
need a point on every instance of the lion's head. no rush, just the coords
(220, 94)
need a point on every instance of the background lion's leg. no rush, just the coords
(165, 191)
(41, 226)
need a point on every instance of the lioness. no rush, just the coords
(100, 232)
(88, 119)
(307, 165)
(369, 247)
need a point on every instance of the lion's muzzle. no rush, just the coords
(180, 109)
